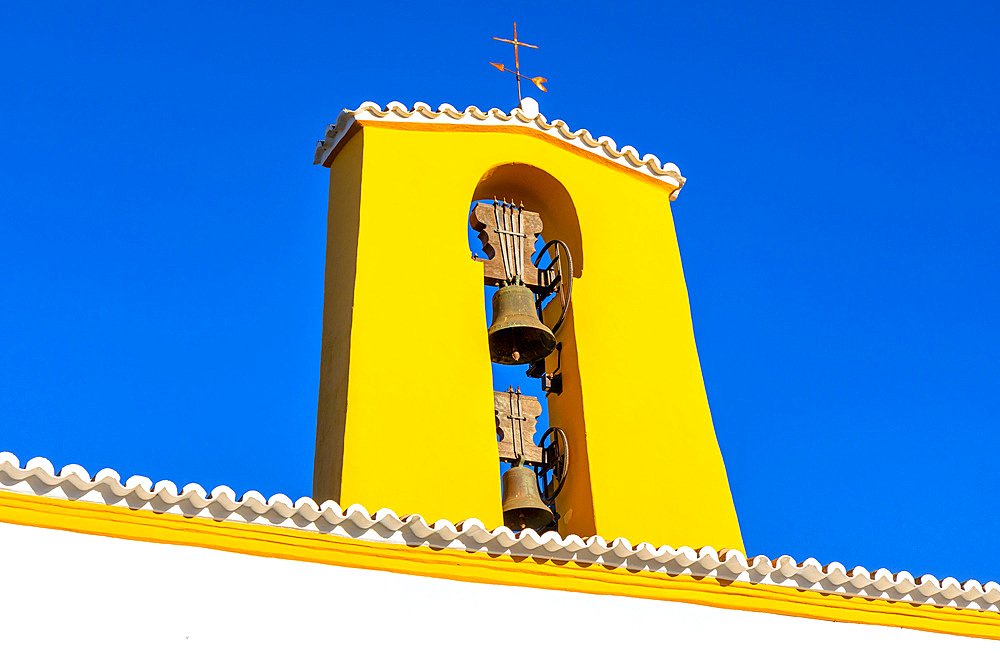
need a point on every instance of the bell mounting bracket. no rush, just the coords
(552, 383)
(516, 416)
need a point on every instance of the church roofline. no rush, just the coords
(38, 478)
(526, 116)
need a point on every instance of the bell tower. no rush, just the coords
(408, 418)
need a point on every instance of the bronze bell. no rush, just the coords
(522, 504)
(517, 336)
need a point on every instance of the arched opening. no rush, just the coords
(538, 191)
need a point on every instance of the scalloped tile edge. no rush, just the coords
(37, 477)
(526, 115)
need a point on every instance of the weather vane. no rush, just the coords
(537, 80)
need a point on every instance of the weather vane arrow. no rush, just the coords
(537, 80)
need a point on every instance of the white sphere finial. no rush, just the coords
(529, 107)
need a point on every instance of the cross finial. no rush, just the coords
(537, 80)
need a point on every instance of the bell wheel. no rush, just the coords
(559, 278)
(555, 459)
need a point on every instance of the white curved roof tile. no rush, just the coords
(526, 115)
(37, 478)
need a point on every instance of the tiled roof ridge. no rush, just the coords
(526, 115)
(38, 478)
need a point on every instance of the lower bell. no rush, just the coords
(517, 336)
(522, 504)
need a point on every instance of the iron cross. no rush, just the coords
(537, 80)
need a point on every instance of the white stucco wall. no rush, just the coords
(70, 599)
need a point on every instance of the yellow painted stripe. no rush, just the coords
(291, 544)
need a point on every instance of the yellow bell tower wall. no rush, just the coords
(406, 399)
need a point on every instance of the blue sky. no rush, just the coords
(162, 236)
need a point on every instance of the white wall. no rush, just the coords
(69, 599)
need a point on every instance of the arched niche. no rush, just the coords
(541, 192)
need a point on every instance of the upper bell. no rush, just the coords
(517, 336)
